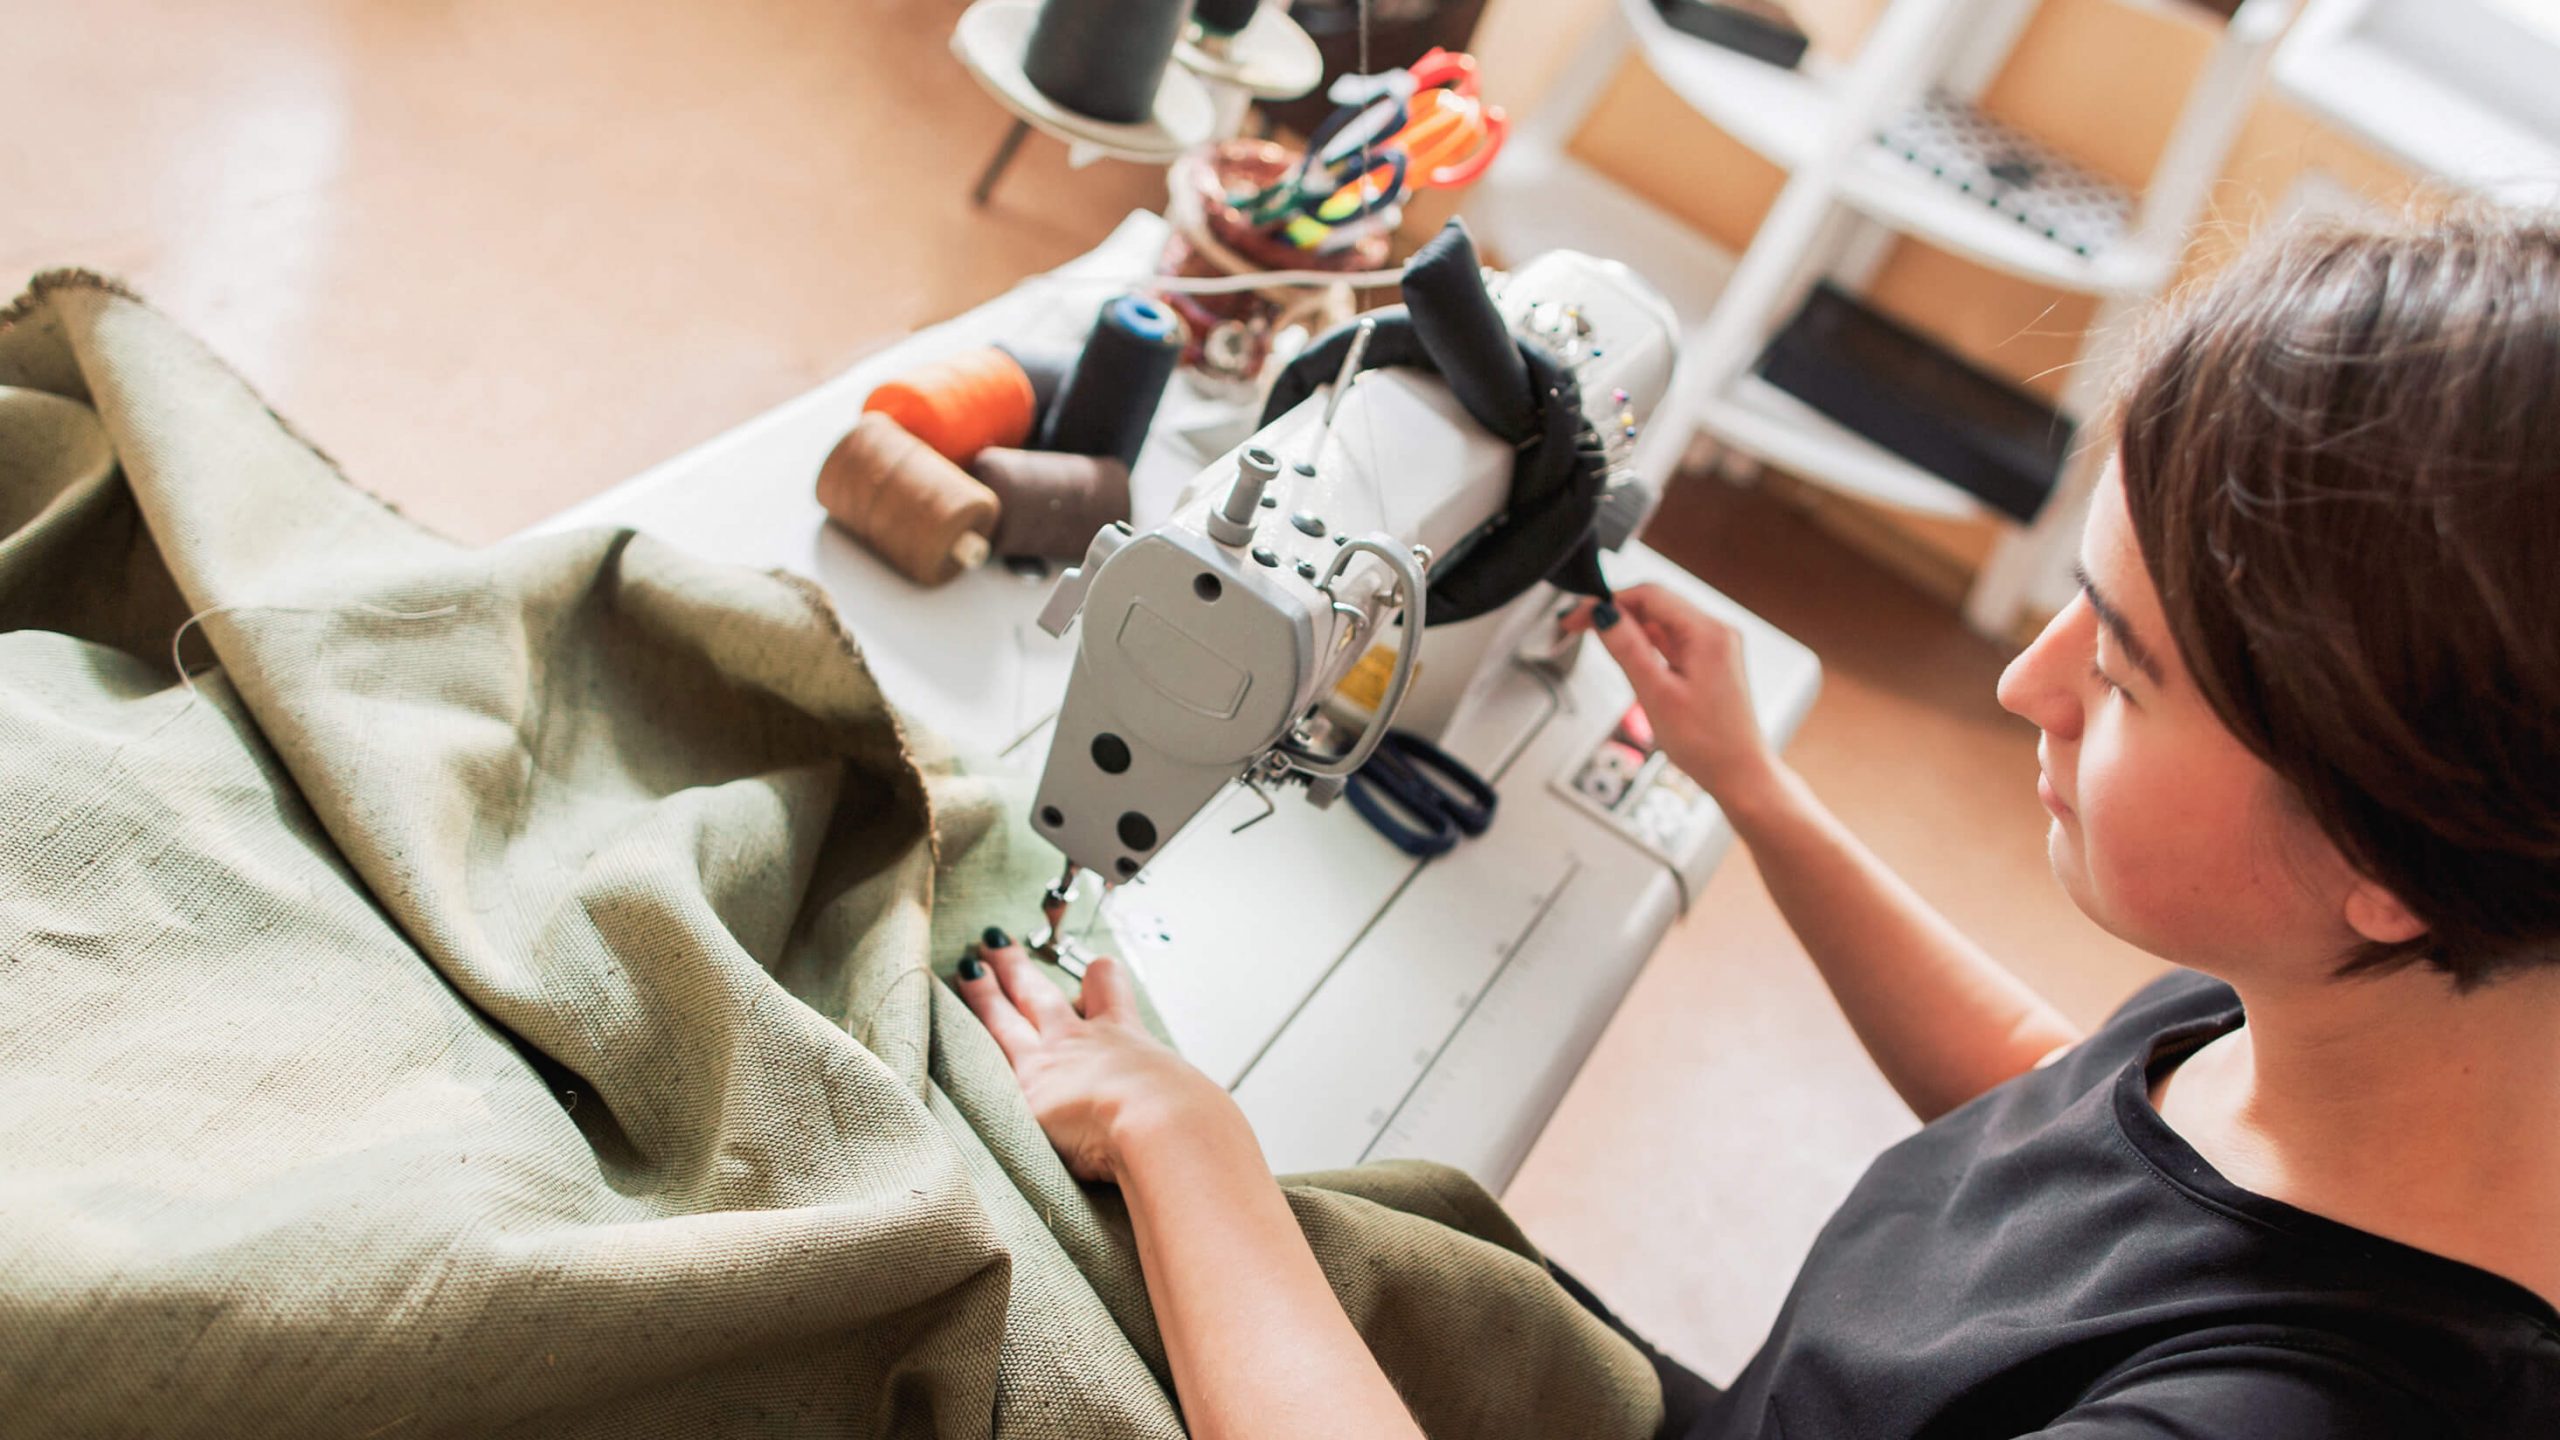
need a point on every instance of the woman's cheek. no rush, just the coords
(2180, 854)
(2148, 852)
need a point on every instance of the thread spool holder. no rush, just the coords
(991, 41)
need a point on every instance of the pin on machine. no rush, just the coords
(1436, 470)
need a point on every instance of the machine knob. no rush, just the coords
(1256, 468)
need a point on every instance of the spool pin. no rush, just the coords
(912, 507)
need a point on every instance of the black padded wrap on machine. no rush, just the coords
(1519, 393)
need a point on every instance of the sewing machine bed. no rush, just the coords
(1359, 1003)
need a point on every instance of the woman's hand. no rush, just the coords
(1260, 1349)
(1686, 667)
(1097, 1081)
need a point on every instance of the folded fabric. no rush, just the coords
(490, 992)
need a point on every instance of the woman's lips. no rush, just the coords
(2052, 801)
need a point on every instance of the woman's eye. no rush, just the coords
(2098, 673)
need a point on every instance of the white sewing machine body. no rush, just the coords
(1359, 1003)
(1212, 641)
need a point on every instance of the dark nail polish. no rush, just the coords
(1569, 608)
(1604, 614)
(971, 967)
(995, 939)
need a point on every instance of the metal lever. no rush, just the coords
(1064, 602)
(1408, 568)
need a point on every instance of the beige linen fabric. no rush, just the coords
(492, 993)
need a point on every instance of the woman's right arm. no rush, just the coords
(1942, 1019)
(1260, 1348)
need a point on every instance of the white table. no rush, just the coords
(1360, 1004)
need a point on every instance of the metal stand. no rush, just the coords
(996, 164)
(991, 40)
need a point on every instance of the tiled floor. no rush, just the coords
(496, 257)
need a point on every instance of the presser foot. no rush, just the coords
(1052, 943)
(1064, 953)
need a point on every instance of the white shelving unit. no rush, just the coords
(1845, 200)
(2458, 89)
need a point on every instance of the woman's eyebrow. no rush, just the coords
(2113, 619)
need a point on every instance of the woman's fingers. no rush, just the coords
(1042, 1003)
(1648, 602)
(979, 987)
(1109, 993)
(1633, 645)
(1633, 650)
(1666, 620)
(1671, 622)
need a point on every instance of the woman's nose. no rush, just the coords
(2041, 686)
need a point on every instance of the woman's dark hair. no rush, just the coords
(2342, 457)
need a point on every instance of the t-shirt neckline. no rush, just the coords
(2185, 1169)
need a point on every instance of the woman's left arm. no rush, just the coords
(1258, 1345)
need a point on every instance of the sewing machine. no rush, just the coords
(1360, 1003)
(1263, 634)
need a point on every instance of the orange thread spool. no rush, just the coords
(962, 405)
(913, 508)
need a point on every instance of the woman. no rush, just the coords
(2301, 737)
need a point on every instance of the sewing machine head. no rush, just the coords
(1270, 630)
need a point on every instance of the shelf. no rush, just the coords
(1893, 193)
(2415, 114)
(1535, 199)
(1780, 114)
(1776, 428)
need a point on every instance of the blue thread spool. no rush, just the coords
(1110, 398)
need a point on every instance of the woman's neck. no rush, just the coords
(2396, 1105)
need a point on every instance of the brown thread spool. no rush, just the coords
(962, 405)
(913, 508)
(1052, 503)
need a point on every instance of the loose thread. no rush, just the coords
(1232, 284)
(178, 662)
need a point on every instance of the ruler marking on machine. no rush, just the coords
(1518, 944)
(1331, 966)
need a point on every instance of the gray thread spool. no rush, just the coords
(1224, 17)
(1104, 58)
(1048, 365)
(1053, 503)
(1110, 398)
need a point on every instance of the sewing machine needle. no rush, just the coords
(1342, 379)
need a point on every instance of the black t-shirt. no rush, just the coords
(2052, 1260)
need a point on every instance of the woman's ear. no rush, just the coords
(2378, 916)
